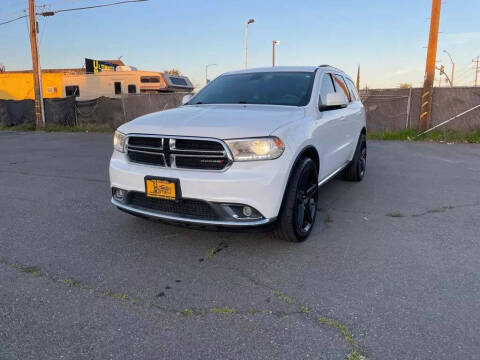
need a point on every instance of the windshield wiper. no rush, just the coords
(242, 102)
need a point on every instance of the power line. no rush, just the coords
(51, 13)
(12, 20)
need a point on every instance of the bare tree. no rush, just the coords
(174, 72)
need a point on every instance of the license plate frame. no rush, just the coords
(154, 186)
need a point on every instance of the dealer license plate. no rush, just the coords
(161, 189)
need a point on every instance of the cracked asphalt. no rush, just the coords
(394, 259)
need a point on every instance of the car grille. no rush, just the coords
(180, 153)
(191, 208)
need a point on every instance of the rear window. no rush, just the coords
(268, 88)
(178, 81)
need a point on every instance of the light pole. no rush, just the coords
(246, 40)
(206, 72)
(453, 67)
(274, 42)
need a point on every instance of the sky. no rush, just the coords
(386, 38)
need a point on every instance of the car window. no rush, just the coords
(341, 86)
(353, 90)
(326, 87)
(269, 88)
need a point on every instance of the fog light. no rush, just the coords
(247, 211)
(119, 194)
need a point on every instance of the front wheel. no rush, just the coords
(299, 210)
(355, 171)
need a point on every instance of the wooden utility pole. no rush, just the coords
(37, 75)
(477, 62)
(427, 93)
(358, 77)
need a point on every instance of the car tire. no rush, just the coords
(355, 171)
(299, 209)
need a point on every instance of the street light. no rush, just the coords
(453, 67)
(206, 72)
(251, 21)
(274, 42)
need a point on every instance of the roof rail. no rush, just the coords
(330, 66)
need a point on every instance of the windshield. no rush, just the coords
(268, 88)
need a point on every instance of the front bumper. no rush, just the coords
(258, 184)
(167, 217)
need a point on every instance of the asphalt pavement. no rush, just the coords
(391, 270)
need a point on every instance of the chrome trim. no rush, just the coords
(332, 175)
(188, 220)
(200, 156)
(146, 152)
(136, 147)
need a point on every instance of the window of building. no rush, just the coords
(326, 87)
(341, 86)
(132, 89)
(150, 79)
(72, 90)
(118, 87)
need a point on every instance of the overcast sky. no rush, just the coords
(386, 37)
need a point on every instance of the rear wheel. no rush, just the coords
(299, 210)
(355, 171)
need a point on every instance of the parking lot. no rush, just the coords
(391, 270)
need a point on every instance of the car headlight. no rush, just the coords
(119, 140)
(268, 148)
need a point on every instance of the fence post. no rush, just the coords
(409, 105)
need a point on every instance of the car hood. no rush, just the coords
(219, 121)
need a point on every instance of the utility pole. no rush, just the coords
(427, 93)
(37, 75)
(358, 77)
(476, 61)
(274, 42)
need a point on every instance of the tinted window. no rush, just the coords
(118, 87)
(326, 87)
(341, 86)
(72, 90)
(269, 88)
(132, 89)
(178, 81)
(150, 79)
(353, 90)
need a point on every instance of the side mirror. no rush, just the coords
(186, 98)
(334, 101)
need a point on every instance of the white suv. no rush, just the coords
(250, 148)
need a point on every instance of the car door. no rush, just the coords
(328, 133)
(358, 112)
(348, 120)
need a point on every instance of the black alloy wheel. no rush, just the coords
(356, 170)
(299, 208)
(307, 199)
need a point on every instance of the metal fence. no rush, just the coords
(396, 109)
(100, 112)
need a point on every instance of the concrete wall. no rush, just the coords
(387, 108)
